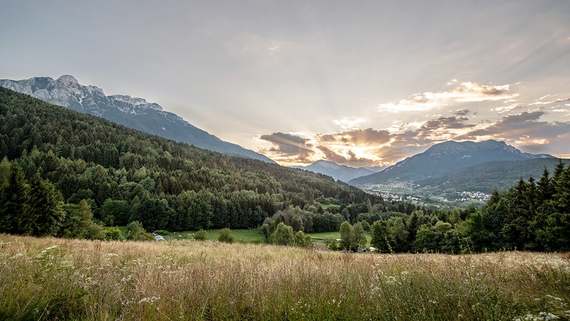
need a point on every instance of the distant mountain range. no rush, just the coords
(132, 112)
(339, 172)
(455, 167)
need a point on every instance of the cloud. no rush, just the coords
(526, 130)
(517, 125)
(351, 158)
(465, 92)
(366, 147)
(288, 147)
(367, 136)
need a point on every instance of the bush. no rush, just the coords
(226, 236)
(283, 235)
(113, 234)
(95, 232)
(333, 245)
(200, 235)
(136, 232)
(303, 240)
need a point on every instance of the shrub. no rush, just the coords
(113, 234)
(283, 235)
(200, 235)
(95, 232)
(136, 232)
(303, 240)
(226, 236)
(333, 245)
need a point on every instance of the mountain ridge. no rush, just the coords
(132, 112)
(443, 158)
(339, 172)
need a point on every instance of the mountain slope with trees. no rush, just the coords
(132, 112)
(61, 166)
(444, 158)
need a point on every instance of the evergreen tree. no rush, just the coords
(44, 215)
(545, 187)
(14, 199)
(380, 237)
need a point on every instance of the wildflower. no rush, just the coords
(542, 316)
(17, 255)
(149, 300)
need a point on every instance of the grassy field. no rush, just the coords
(248, 236)
(56, 279)
(242, 236)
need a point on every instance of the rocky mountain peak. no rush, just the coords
(68, 80)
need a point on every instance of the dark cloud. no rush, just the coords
(525, 124)
(443, 123)
(288, 146)
(351, 160)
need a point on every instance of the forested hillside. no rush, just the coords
(60, 164)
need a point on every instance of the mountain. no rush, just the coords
(340, 172)
(445, 158)
(456, 172)
(128, 175)
(132, 112)
(490, 176)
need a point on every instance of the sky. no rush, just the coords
(361, 83)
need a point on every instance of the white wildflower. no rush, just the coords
(149, 300)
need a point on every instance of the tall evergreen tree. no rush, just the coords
(14, 201)
(45, 214)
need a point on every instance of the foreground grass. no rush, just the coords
(55, 279)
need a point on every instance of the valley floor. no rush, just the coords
(57, 279)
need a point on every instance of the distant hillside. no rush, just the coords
(132, 112)
(340, 172)
(128, 175)
(445, 158)
(491, 176)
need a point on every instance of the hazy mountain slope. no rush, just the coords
(445, 158)
(491, 176)
(340, 172)
(129, 111)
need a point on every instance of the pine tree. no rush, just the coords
(562, 191)
(13, 204)
(545, 187)
(45, 214)
(380, 236)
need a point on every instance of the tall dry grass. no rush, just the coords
(56, 279)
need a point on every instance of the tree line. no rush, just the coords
(532, 215)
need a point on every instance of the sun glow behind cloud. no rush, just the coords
(522, 123)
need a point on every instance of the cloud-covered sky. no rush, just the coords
(361, 83)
